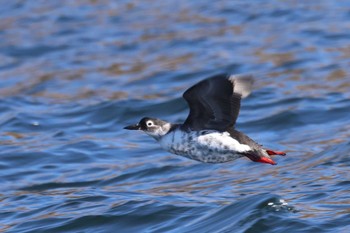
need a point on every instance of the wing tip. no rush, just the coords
(242, 84)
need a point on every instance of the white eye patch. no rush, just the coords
(149, 123)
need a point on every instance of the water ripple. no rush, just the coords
(74, 73)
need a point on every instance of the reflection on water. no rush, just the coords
(73, 73)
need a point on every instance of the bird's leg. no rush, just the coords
(256, 158)
(275, 152)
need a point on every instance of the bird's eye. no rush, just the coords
(149, 123)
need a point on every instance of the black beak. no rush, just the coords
(133, 127)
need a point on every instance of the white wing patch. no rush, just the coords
(221, 141)
(243, 84)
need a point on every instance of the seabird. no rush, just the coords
(208, 134)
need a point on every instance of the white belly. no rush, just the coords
(208, 146)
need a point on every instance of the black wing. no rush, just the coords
(215, 102)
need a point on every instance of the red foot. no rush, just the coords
(266, 160)
(260, 159)
(275, 152)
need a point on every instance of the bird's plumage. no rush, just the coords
(209, 146)
(208, 133)
(215, 102)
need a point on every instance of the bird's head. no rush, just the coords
(153, 127)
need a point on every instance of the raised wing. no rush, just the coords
(215, 102)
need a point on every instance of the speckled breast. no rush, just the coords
(206, 146)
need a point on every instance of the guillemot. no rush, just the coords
(208, 134)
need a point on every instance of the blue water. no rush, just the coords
(74, 73)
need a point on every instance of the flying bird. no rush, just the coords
(208, 134)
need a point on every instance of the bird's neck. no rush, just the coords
(165, 129)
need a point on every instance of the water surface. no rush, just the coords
(74, 73)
